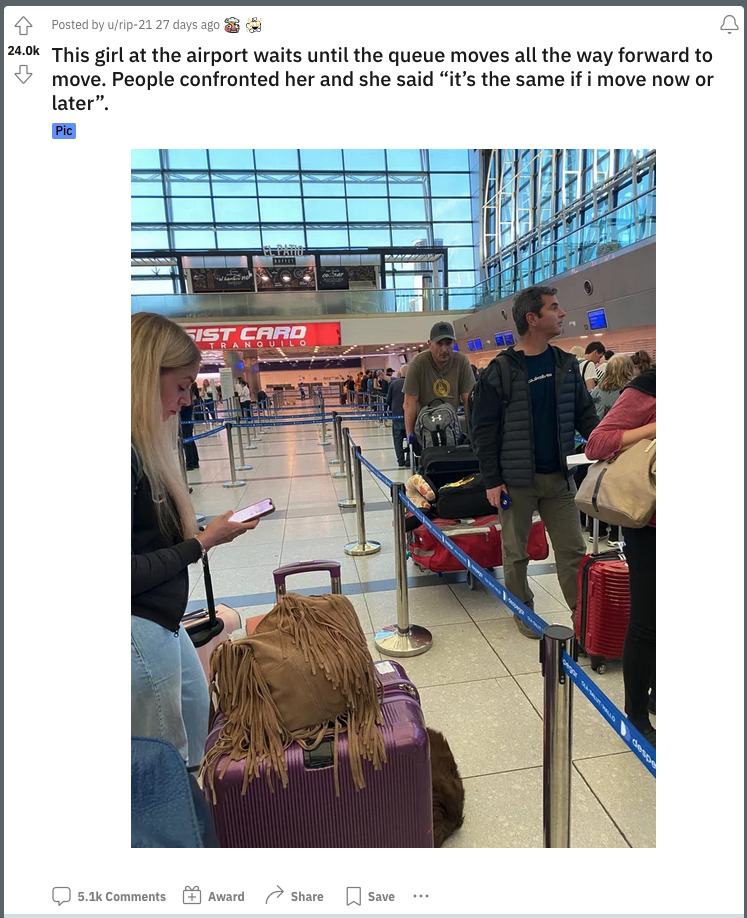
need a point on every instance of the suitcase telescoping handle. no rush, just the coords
(280, 574)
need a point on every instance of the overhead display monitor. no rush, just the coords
(508, 337)
(597, 319)
(499, 340)
(455, 346)
(471, 345)
(478, 344)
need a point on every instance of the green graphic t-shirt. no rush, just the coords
(431, 385)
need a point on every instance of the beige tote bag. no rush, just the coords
(622, 491)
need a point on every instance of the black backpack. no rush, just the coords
(504, 370)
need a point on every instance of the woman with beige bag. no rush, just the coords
(631, 420)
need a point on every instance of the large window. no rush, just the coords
(218, 199)
(547, 211)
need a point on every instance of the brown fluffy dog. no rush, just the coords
(448, 790)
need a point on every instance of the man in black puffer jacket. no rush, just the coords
(528, 403)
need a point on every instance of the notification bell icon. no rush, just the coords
(729, 24)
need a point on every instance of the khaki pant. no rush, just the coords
(552, 496)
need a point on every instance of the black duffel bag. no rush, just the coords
(466, 498)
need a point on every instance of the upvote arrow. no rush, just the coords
(23, 73)
(23, 25)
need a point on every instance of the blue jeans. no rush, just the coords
(169, 693)
(398, 435)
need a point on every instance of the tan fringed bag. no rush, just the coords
(622, 491)
(304, 673)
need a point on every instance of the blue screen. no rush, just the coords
(471, 345)
(478, 344)
(597, 319)
(455, 346)
(499, 340)
(508, 337)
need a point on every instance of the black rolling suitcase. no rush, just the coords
(445, 464)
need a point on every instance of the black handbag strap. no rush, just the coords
(209, 591)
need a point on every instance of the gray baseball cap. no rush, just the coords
(442, 330)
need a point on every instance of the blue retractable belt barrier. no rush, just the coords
(375, 472)
(614, 717)
(202, 436)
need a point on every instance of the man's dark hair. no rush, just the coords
(608, 355)
(596, 347)
(529, 300)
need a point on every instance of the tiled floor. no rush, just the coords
(481, 683)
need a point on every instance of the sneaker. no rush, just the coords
(525, 629)
(615, 546)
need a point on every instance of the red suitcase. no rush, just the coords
(603, 605)
(479, 538)
(394, 810)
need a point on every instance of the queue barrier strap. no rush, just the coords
(202, 436)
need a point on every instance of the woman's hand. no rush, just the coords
(221, 530)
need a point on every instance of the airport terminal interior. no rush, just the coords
(295, 270)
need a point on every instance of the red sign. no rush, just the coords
(237, 337)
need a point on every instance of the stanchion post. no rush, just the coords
(233, 483)
(249, 444)
(349, 501)
(336, 440)
(242, 466)
(557, 728)
(324, 441)
(362, 546)
(339, 445)
(402, 639)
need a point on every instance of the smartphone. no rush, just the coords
(263, 508)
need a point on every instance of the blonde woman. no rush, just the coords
(169, 695)
(618, 373)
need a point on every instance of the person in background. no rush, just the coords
(350, 389)
(245, 398)
(632, 419)
(475, 371)
(602, 365)
(439, 374)
(528, 403)
(212, 398)
(186, 430)
(593, 356)
(359, 388)
(301, 391)
(395, 401)
(383, 382)
(168, 689)
(618, 374)
(642, 362)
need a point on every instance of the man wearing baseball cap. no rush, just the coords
(437, 375)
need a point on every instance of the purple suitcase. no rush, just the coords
(394, 810)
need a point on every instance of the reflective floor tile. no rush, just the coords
(428, 606)
(505, 811)
(459, 654)
(481, 605)
(627, 791)
(501, 733)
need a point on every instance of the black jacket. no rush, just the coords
(395, 396)
(160, 582)
(505, 446)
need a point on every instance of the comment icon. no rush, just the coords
(61, 894)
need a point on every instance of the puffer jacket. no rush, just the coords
(505, 446)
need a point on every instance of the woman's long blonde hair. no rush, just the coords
(617, 374)
(159, 344)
